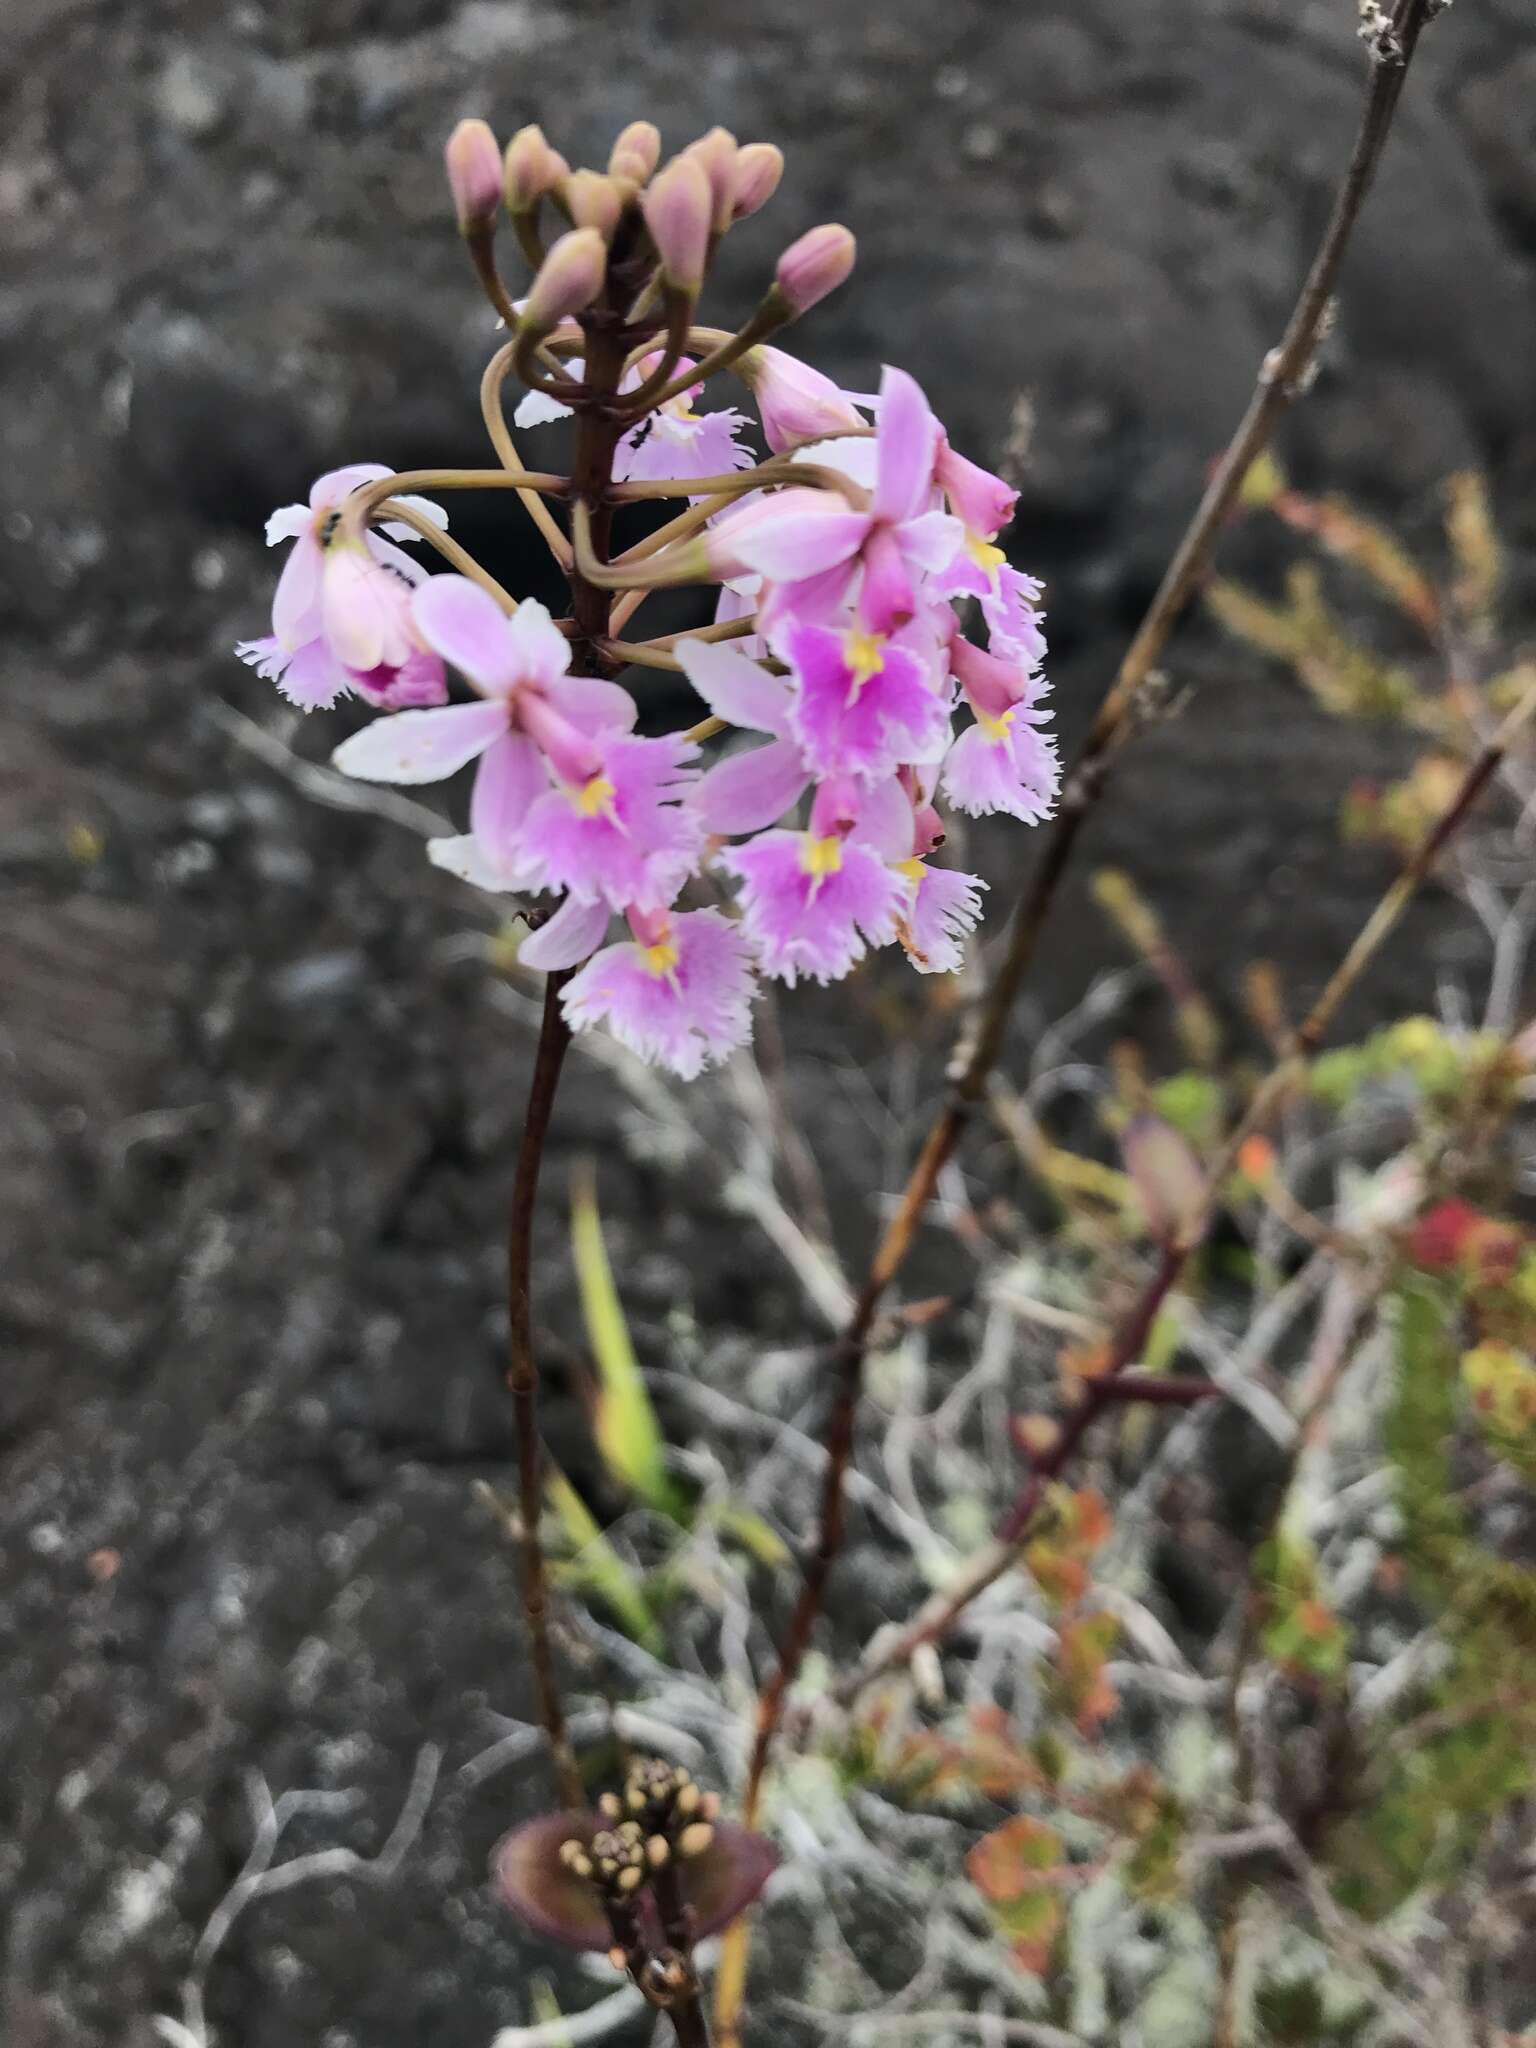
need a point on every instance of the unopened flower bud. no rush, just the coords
(531, 170)
(1167, 1176)
(631, 1878)
(759, 167)
(569, 278)
(637, 152)
(610, 1804)
(592, 201)
(677, 212)
(716, 154)
(814, 265)
(693, 1841)
(658, 1851)
(473, 158)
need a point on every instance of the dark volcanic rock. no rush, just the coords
(260, 1108)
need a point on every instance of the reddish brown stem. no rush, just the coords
(523, 1380)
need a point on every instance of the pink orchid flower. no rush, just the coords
(1003, 762)
(565, 797)
(675, 442)
(818, 549)
(940, 907)
(945, 906)
(672, 443)
(678, 993)
(813, 902)
(338, 631)
(313, 679)
(862, 703)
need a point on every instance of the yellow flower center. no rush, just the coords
(912, 869)
(822, 856)
(661, 958)
(862, 652)
(996, 729)
(983, 553)
(594, 797)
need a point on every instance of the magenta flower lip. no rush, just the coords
(529, 1877)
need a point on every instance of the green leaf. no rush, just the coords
(598, 1567)
(628, 1434)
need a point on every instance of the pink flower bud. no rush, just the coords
(815, 265)
(759, 167)
(532, 168)
(716, 154)
(636, 153)
(473, 157)
(677, 210)
(569, 278)
(797, 403)
(592, 201)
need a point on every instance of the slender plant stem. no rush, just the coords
(523, 1380)
(1281, 379)
(677, 529)
(723, 629)
(689, 2024)
(493, 412)
(450, 551)
(596, 439)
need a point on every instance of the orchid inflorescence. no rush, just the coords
(843, 558)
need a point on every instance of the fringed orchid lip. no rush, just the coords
(530, 1876)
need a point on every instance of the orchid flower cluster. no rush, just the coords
(847, 559)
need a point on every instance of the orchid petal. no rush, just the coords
(421, 746)
(593, 705)
(571, 935)
(734, 687)
(751, 790)
(296, 601)
(540, 651)
(465, 625)
(468, 859)
(509, 781)
(794, 534)
(287, 523)
(907, 441)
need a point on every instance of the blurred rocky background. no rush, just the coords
(259, 1093)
